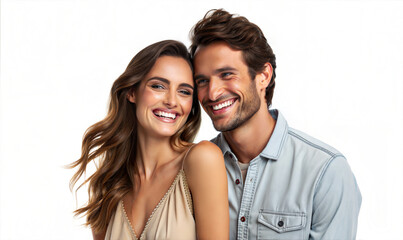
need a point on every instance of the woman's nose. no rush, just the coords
(170, 99)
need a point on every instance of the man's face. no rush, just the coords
(225, 89)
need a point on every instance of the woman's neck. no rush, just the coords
(152, 153)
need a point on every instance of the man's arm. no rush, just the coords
(336, 203)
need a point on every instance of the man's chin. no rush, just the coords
(218, 126)
(222, 127)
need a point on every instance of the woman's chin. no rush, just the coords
(166, 132)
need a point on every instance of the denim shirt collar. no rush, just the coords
(273, 148)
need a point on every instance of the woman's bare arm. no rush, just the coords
(207, 179)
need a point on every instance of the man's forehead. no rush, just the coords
(216, 55)
(216, 45)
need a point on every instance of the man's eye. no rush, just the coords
(226, 74)
(201, 82)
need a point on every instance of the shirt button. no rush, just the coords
(242, 219)
(280, 223)
(237, 181)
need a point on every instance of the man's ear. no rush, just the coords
(131, 96)
(263, 78)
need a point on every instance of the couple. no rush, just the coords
(263, 181)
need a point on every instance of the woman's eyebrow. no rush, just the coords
(186, 85)
(159, 78)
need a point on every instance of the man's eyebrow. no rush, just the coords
(199, 76)
(168, 82)
(223, 69)
(216, 71)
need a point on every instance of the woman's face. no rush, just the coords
(164, 97)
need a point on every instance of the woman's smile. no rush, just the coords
(166, 115)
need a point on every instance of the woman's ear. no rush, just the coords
(131, 96)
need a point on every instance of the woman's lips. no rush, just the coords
(165, 115)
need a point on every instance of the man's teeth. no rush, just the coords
(223, 105)
(166, 115)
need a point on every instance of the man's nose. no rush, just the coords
(216, 88)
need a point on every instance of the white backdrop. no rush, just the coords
(339, 78)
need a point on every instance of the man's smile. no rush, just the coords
(225, 104)
(221, 107)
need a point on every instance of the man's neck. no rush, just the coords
(249, 140)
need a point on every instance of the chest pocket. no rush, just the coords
(280, 225)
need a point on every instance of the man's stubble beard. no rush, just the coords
(245, 111)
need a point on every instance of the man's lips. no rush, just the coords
(222, 106)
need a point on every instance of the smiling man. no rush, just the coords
(282, 183)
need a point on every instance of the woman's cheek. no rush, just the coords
(189, 106)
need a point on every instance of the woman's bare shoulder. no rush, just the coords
(206, 151)
(203, 156)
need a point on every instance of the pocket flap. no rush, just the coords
(282, 222)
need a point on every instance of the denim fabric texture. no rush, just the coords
(297, 188)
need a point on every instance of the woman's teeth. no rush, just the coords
(165, 114)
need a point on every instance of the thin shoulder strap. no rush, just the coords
(186, 154)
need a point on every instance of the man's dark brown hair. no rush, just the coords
(239, 34)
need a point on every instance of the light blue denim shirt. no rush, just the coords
(296, 188)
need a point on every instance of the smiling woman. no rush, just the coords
(152, 182)
(164, 96)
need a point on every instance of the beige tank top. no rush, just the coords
(172, 218)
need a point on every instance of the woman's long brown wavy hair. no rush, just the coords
(113, 140)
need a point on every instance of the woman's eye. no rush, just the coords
(157, 86)
(185, 92)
